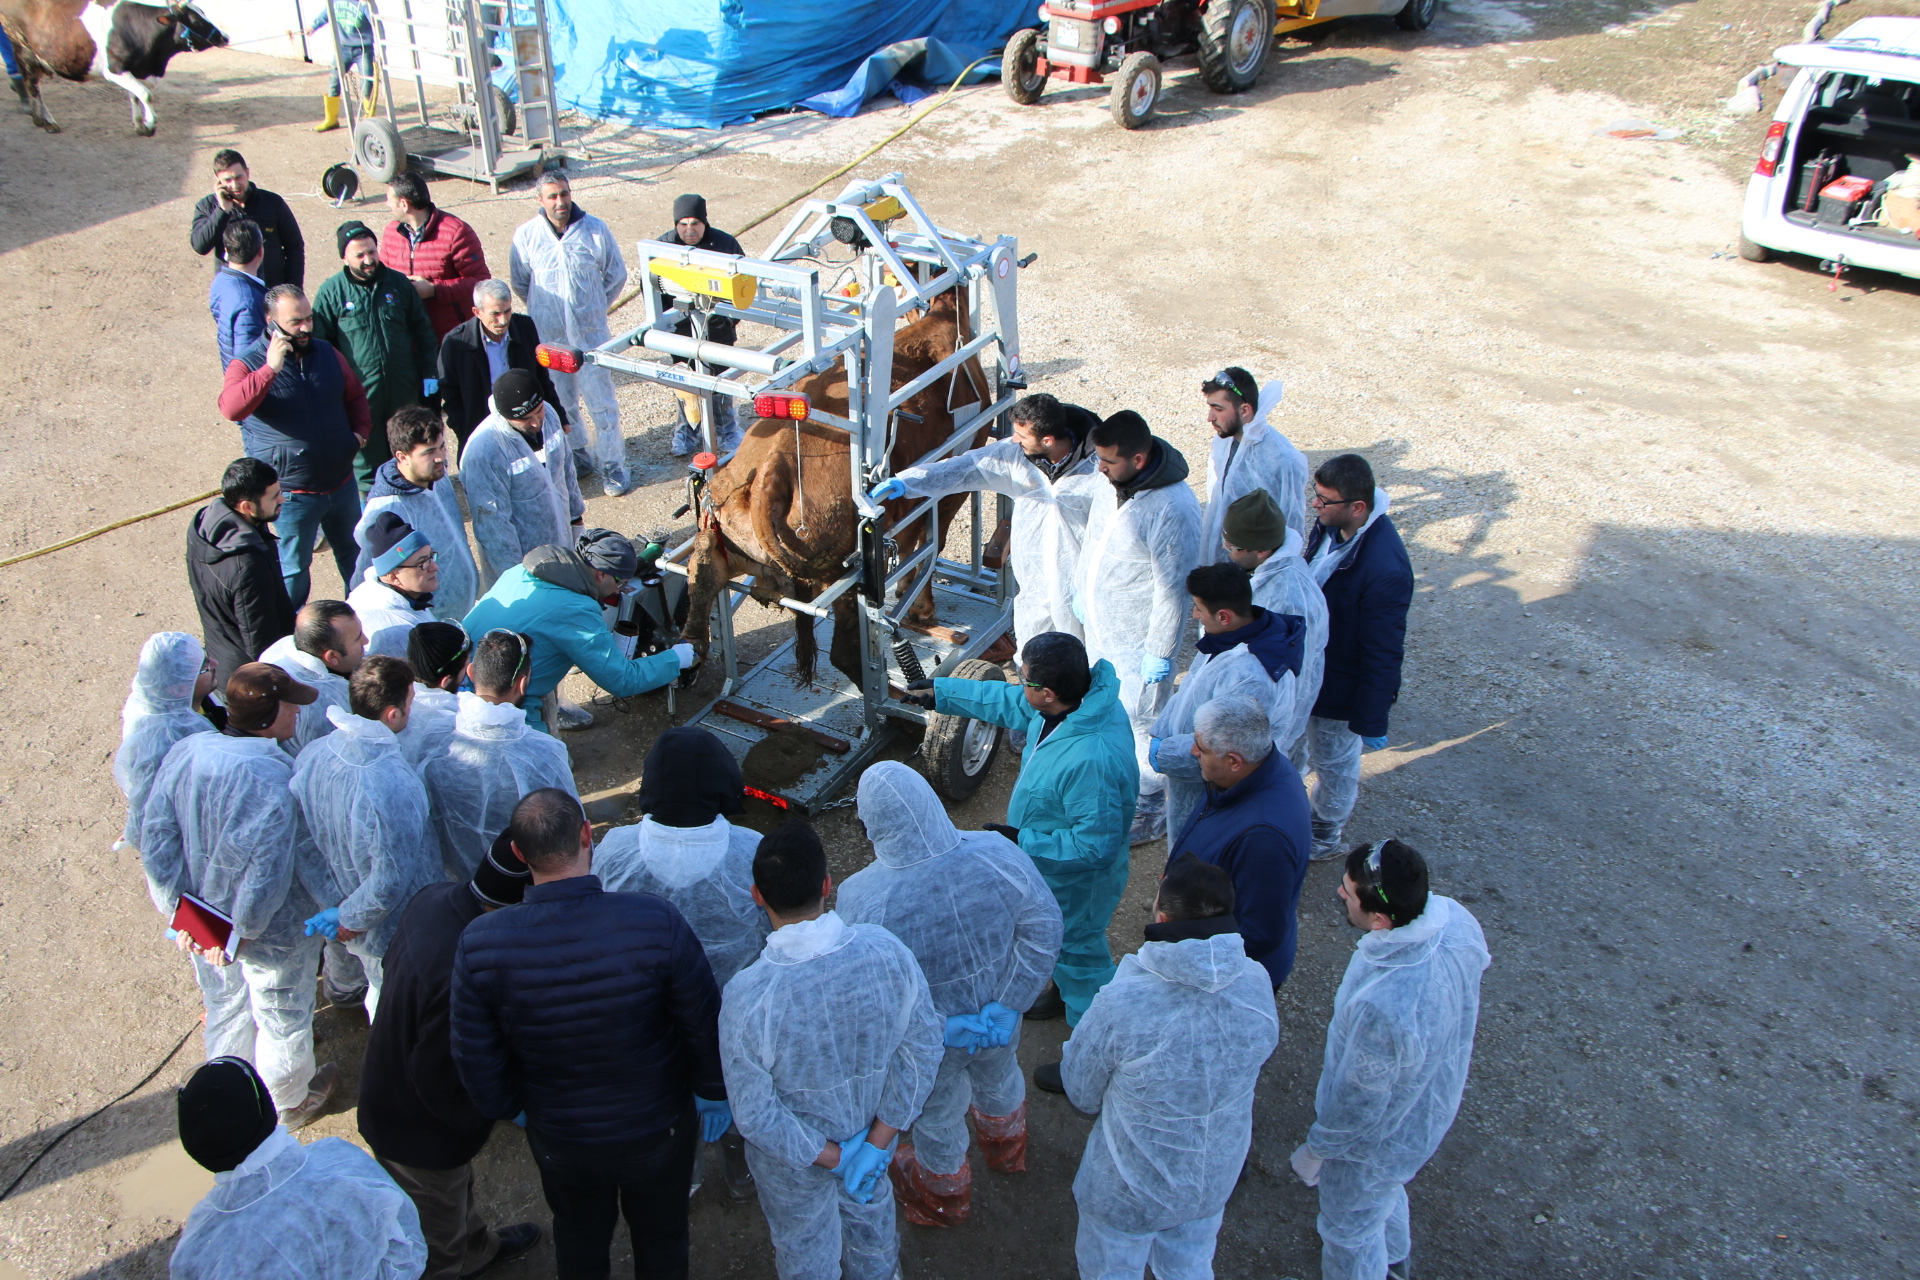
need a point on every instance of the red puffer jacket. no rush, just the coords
(449, 255)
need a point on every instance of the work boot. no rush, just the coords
(733, 1165)
(1047, 1076)
(1003, 1139)
(319, 1093)
(330, 105)
(1049, 1005)
(516, 1242)
(1326, 840)
(930, 1199)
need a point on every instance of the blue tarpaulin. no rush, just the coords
(707, 63)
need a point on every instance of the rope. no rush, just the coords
(844, 169)
(109, 528)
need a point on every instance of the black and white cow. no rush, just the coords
(122, 42)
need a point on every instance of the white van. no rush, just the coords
(1853, 111)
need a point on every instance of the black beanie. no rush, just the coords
(690, 778)
(515, 393)
(502, 878)
(225, 1112)
(690, 206)
(347, 232)
(435, 650)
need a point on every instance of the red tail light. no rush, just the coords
(778, 802)
(559, 359)
(1770, 150)
(782, 406)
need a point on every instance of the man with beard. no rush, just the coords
(374, 314)
(1047, 468)
(303, 412)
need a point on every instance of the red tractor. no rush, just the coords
(1085, 41)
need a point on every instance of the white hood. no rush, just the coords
(1205, 964)
(904, 819)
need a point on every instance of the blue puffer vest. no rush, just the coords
(301, 428)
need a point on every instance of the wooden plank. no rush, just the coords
(760, 719)
(948, 634)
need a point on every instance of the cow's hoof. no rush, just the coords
(144, 130)
(48, 125)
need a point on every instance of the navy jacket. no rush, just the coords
(1367, 598)
(302, 428)
(1260, 832)
(238, 303)
(593, 1012)
(413, 1108)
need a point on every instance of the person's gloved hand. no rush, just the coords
(968, 1031)
(1011, 833)
(1003, 1021)
(920, 694)
(715, 1118)
(1153, 753)
(1153, 670)
(890, 488)
(685, 653)
(861, 1165)
(326, 923)
(1307, 1165)
(521, 1119)
(1080, 611)
(1374, 744)
(429, 386)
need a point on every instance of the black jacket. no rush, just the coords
(464, 384)
(286, 249)
(719, 328)
(1368, 594)
(413, 1108)
(233, 566)
(593, 1012)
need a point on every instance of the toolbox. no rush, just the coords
(1840, 200)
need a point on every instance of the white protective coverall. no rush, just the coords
(1284, 584)
(366, 811)
(984, 927)
(221, 824)
(312, 722)
(1398, 1049)
(568, 281)
(1049, 524)
(492, 759)
(521, 498)
(429, 725)
(1265, 460)
(435, 513)
(1238, 670)
(386, 616)
(1133, 589)
(323, 1210)
(706, 872)
(828, 1031)
(1167, 1055)
(158, 712)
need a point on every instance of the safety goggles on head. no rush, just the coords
(1226, 380)
(526, 648)
(1370, 872)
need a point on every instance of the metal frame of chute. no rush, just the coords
(903, 261)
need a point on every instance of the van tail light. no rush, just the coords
(1770, 150)
(782, 406)
(559, 359)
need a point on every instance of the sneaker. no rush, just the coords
(1326, 841)
(1047, 1076)
(1048, 1006)
(571, 715)
(733, 1166)
(319, 1093)
(516, 1242)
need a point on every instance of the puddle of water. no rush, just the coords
(167, 1184)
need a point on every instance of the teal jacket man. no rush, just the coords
(1073, 804)
(552, 598)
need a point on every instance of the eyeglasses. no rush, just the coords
(526, 647)
(430, 558)
(1315, 500)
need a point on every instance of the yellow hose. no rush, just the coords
(109, 528)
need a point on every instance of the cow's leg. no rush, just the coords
(37, 111)
(706, 582)
(139, 101)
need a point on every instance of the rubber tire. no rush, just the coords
(1136, 66)
(505, 115)
(378, 150)
(1418, 15)
(945, 742)
(1216, 25)
(1023, 83)
(1754, 252)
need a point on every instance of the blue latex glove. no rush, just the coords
(891, 487)
(1153, 753)
(1080, 611)
(1003, 1020)
(429, 385)
(1374, 744)
(327, 923)
(521, 1119)
(968, 1031)
(715, 1118)
(861, 1165)
(1154, 670)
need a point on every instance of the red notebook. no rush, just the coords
(205, 924)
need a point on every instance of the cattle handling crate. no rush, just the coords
(504, 120)
(900, 261)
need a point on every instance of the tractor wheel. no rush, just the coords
(1136, 88)
(1019, 72)
(1418, 15)
(1235, 38)
(377, 149)
(960, 751)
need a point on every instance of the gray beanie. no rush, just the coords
(609, 552)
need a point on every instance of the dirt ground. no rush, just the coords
(1658, 720)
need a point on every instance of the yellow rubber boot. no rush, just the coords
(332, 121)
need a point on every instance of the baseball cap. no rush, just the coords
(255, 692)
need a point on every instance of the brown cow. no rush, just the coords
(793, 528)
(118, 41)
